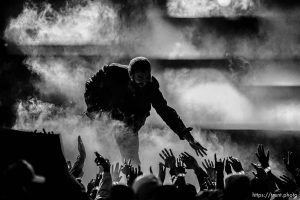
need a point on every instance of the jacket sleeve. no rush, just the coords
(168, 114)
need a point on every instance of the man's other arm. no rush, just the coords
(167, 113)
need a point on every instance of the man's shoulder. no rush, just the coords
(116, 72)
(115, 68)
(154, 83)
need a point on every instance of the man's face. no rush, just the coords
(141, 78)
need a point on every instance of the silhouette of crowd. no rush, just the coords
(220, 179)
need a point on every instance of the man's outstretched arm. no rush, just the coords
(172, 119)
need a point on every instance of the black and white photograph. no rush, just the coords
(150, 100)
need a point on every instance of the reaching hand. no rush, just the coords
(161, 172)
(290, 163)
(115, 173)
(189, 161)
(100, 161)
(125, 168)
(219, 165)
(81, 148)
(199, 149)
(169, 158)
(228, 169)
(262, 157)
(209, 167)
(236, 164)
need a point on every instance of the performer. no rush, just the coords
(127, 93)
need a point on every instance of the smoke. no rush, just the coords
(93, 23)
(63, 77)
(207, 8)
(201, 97)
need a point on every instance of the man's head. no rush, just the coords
(140, 71)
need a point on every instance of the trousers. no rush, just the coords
(128, 142)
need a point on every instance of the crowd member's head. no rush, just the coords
(139, 70)
(259, 186)
(22, 181)
(171, 192)
(237, 187)
(144, 186)
(210, 195)
(121, 192)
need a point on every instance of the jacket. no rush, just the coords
(111, 90)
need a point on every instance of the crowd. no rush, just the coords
(221, 179)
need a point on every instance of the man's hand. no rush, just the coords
(169, 158)
(189, 161)
(115, 173)
(200, 150)
(262, 157)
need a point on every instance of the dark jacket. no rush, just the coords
(111, 90)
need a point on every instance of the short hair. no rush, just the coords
(139, 64)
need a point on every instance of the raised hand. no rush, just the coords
(228, 169)
(169, 158)
(90, 186)
(133, 174)
(209, 167)
(100, 161)
(260, 172)
(69, 164)
(236, 164)
(189, 161)
(45, 132)
(209, 184)
(180, 169)
(288, 184)
(161, 172)
(150, 169)
(115, 173)
(81, 148)
(199, 149)
(262, 157)
(125, 168)
(219, 165)
(290, 162)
